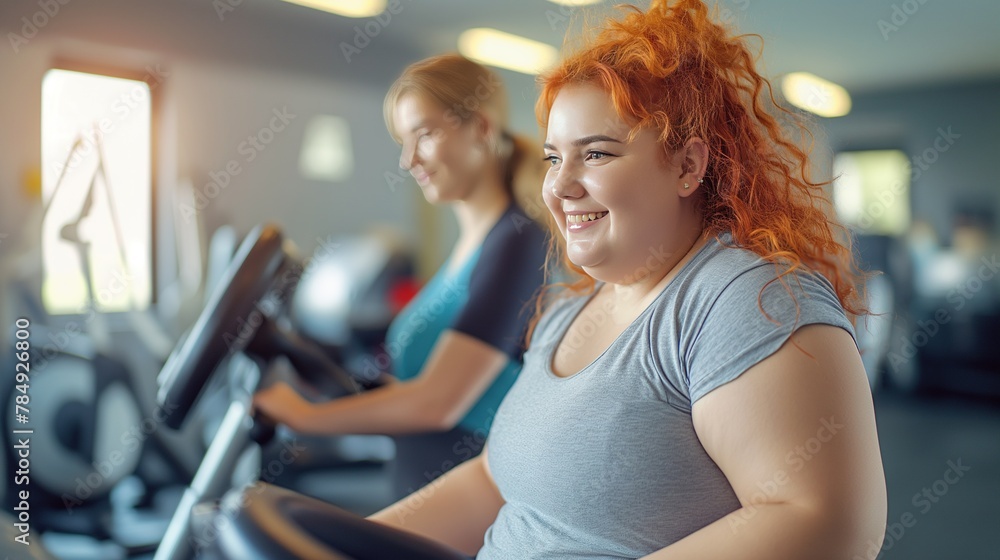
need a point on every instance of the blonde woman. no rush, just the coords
(456, 348)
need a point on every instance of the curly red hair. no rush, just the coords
(675, 70)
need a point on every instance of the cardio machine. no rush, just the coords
(245, 316)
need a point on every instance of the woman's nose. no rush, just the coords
(566, 185)
(408, 157)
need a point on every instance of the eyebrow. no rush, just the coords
(588, 140)
(420, 125)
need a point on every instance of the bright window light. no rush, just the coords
(504, 50)
(326, 150)
(87, 118)
(871, 192)
(816, 95)
(346, 8)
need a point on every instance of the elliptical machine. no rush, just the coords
(245, 316)
(86, 398)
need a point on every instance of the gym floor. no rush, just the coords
(942, 462)
(922, 439)
(933, 513)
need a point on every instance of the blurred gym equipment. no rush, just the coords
(262, 521)
(245, 314)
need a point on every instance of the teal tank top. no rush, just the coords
(414, 332)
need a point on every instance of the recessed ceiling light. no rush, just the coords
(347, 8)
(513, 52)
(816, 95)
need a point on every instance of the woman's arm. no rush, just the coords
(795, 435)
(455, 509)
(458, 372)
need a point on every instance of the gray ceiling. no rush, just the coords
(938, 42)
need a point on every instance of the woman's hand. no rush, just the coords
(460, 369)
(282, 404)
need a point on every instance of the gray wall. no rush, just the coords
(222, 80)
(226, 75)
(964, 119)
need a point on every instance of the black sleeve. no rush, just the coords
(504, 283)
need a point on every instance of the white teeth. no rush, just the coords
(579, 218)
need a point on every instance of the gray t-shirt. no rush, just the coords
(606, 463)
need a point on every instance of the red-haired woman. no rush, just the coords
(697, 392)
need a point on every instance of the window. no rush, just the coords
(96, 175)
(871, 192)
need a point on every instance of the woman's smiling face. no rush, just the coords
(443, 154)
(617, 203)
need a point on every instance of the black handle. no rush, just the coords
(263, 428)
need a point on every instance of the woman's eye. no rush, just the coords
(553, 160)
(426, 137)
(597, 155)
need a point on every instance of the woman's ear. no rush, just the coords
(486, 134)
(694, 164)
(482, 127)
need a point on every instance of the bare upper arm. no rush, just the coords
(455, 509)
(458, 371)
(800, 429)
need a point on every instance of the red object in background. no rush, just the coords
(401, 292)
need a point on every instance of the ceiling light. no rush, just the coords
(816, 95)
(347, 8)
(513, 52)
(326, 149)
